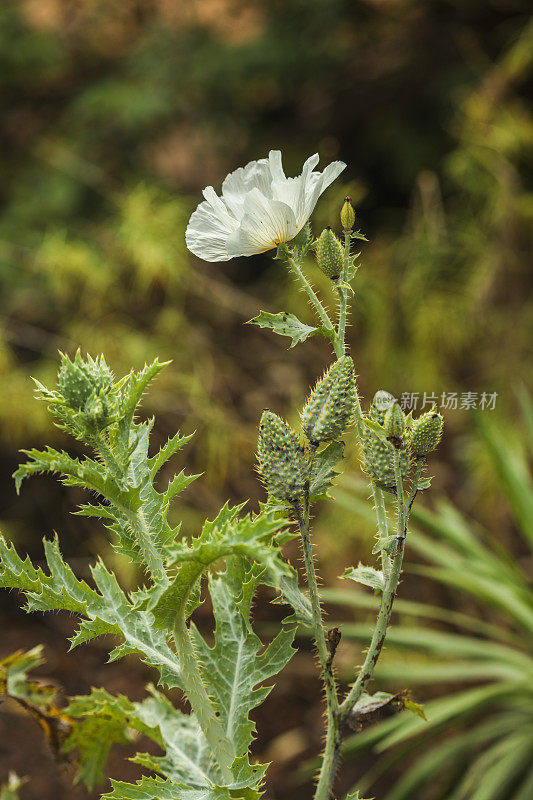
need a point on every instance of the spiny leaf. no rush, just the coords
(101, 720)
(160, 789)
(285, 325)
(188, 758)
(236, 664)
(368, 576)
(324, 472)
(250, 536)
(122, 473)
(375, 427)
(384, 544)
(105, 610)
(166, 452)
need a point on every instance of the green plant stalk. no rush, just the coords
(199, 700)
(340, 341)
(389, 592)
(383, 528)
(333, 739)
(377, 493)
(306, 286)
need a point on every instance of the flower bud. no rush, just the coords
(79, 380)
(73, 382)
(329, 409)
(394, 424)
(347, 215)
(378, 455)
(426, 433)
(283, 462)
(330, 254)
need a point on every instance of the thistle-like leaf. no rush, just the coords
(122, 474)
(249, 536)
(368, 576)
(104, 610)
(236, 665)
(324, 469)
(285, 324)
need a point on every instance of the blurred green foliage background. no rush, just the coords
(116, 115)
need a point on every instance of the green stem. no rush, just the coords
(200, 702)
(389, 592)
(321, 311)
(332, 746)
(340, 343)
(383, 528)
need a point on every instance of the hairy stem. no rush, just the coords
(340, 343)
(389, 592)
(306, 286)
(383, 528)
(331, 750)
(199, 700)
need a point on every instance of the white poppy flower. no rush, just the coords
(259, 208)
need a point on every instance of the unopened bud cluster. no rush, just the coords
(282, 460)
(378, 455)
(85, 387)
(329, 409)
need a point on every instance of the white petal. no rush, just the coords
(310, 164)
(256, 174)
(276, 167)
(265, 224)
(207, 233)
(318, 183)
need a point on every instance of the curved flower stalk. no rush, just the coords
(260, 208)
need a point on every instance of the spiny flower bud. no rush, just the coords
(330, 254)
(426, 432)
(394, 424)
(347, 215)
(378, 456)
(283, 462)
(329, 409)
(78, 380)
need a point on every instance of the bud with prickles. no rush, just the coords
(426, 433)
(73, 381)
(347, 215)
(283, 463)
(330, 254)
(394, 424)
(78, 379)
(378, 456)
(329, 409)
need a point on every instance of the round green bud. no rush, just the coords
(426, 433)
(347, 215)
(394, 424)
(378, 455)
(330, 254)
(329, 408)
(282, 461)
